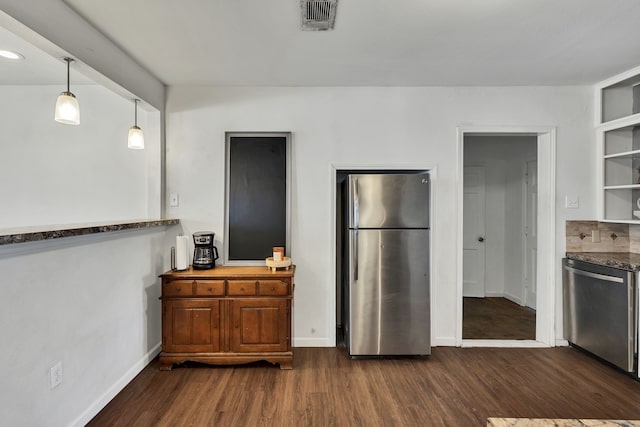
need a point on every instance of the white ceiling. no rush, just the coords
(375, 42)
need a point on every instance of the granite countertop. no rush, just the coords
(33, 234)
(557, 422)
(624, 260)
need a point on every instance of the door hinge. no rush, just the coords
(287, 309)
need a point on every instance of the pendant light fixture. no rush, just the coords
(136, 138)
(67, 108)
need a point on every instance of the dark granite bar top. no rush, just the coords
(33, 234)
(556, 422)
(624, 260)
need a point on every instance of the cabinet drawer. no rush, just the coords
(241, 287)
(273, 287)
(177, 288)
(210, 287)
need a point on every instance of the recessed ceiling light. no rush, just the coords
(9, 54)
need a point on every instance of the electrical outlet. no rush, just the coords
(173, 199)
(595, 236)
(56, 375)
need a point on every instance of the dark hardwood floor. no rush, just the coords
(452, 387)
(497, 318)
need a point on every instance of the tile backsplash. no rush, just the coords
(614, 237)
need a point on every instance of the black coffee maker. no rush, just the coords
(204, 254)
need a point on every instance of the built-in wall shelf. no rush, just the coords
(622, 187)
(618, 147)
(626, 154)
(37, 233)
(618, 97)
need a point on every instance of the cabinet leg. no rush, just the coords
(164, 366)
(286, 365)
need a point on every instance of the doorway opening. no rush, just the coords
(504, 289)
(498, 230)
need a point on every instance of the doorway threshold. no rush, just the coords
(503, 343)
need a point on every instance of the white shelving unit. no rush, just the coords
(617, 124)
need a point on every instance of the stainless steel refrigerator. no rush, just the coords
(387, 294)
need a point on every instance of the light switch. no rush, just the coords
(571, 202)
(173, 199)
(595, 236)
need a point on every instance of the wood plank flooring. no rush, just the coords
(452, 387)
(497, 318)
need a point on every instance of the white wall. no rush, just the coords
(59, 174)
(365, 126)
(504, 158)
(90, 302)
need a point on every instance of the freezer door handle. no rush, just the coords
(355, 254)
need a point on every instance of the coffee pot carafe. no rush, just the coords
(204, 253)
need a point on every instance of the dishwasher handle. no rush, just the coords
(595, 275)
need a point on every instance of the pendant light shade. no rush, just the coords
(67, 108)
(136, 138)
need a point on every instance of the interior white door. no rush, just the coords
(473, 232)
(531, 235)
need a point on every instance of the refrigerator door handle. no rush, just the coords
(356, 203)
(355, 254)
(356, 220)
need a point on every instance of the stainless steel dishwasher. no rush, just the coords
(599, 311)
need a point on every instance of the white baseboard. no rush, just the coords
(561, 343)
(503, 343)
(494, 294)
(313, 342)
(505, 296)
(513, 299)
(444, 342)
(116, 388)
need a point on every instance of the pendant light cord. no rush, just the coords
(69, 60)
(68, 75)
(135, 111)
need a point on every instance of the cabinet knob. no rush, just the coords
(273, 288)
(177, 289)
(242, 289)
(210, 290)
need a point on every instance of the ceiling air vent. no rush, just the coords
(318, 15)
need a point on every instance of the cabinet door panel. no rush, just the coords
(260, 325)
(191, 326)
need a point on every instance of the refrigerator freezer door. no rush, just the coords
(389, 301)
(389, 201)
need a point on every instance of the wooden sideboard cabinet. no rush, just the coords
(227, 315)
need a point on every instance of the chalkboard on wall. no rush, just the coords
(257, 195)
